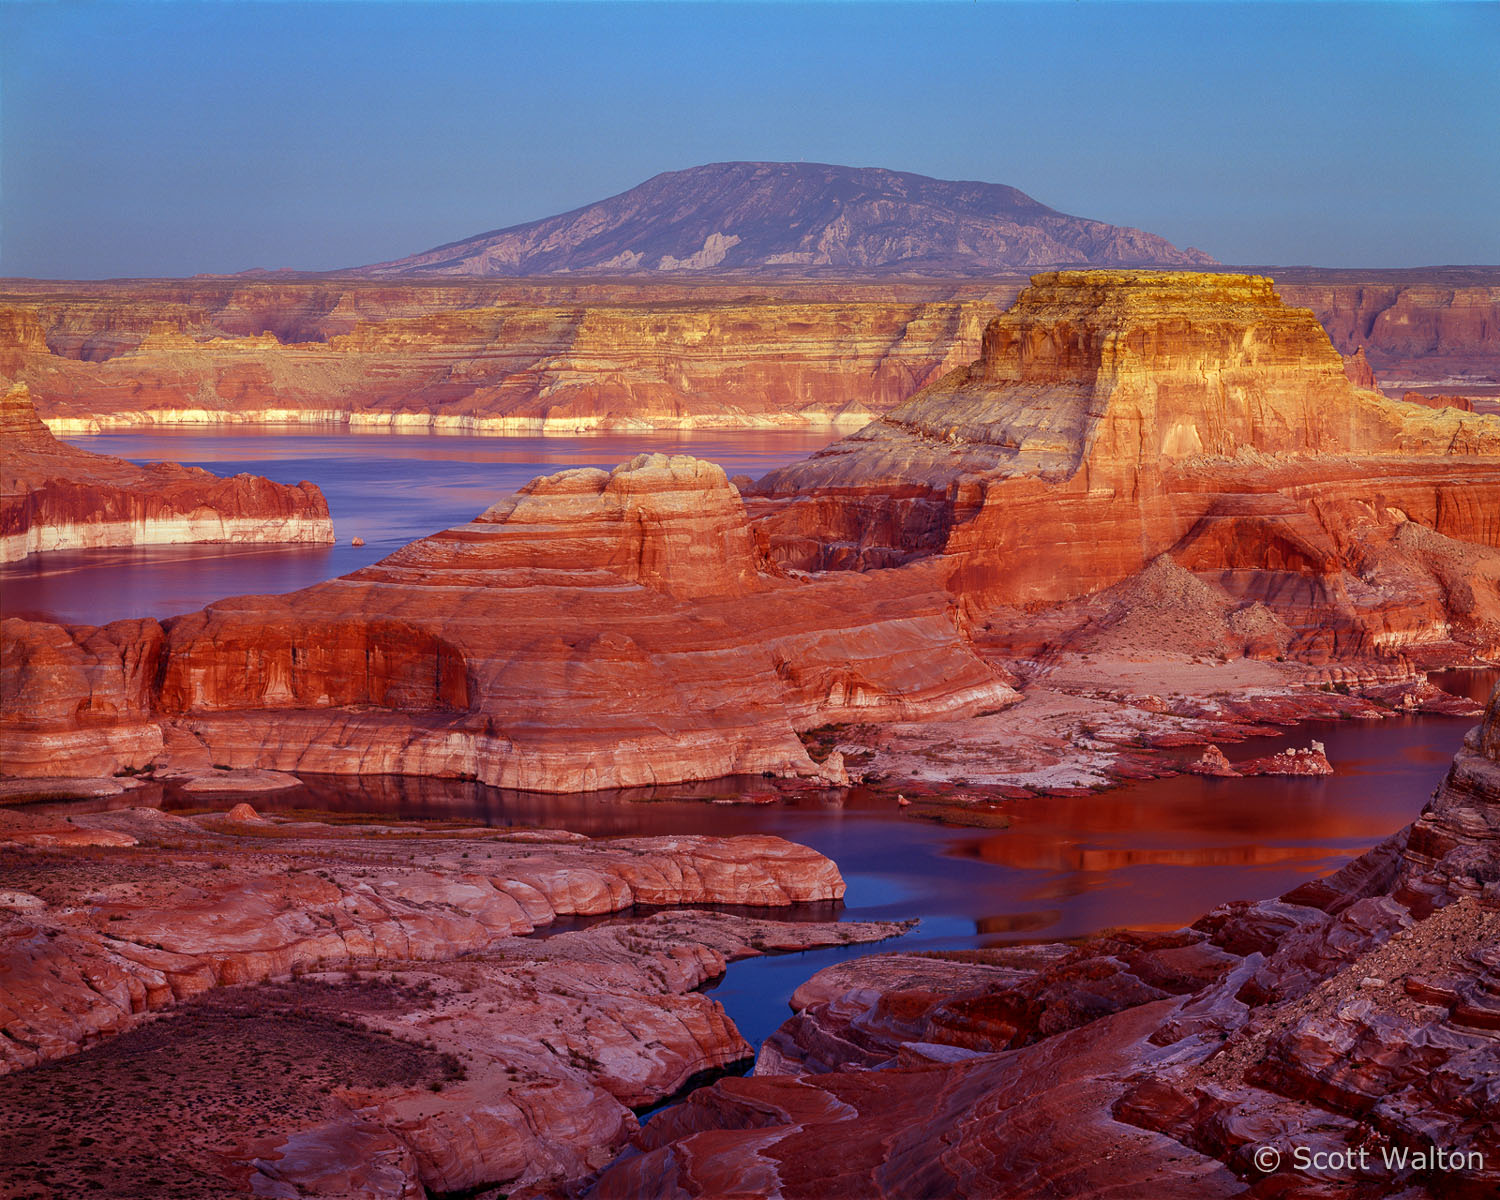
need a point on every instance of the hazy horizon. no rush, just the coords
(181, 139)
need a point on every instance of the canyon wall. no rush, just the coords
(56, 497)
(465, 354)
(471, 359)
(1415, 326)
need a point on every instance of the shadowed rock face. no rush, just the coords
(1114, 417)
(1355, 1011)
(56, 497)
(600, 629)
(748, 217)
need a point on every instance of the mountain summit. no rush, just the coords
(764, 218)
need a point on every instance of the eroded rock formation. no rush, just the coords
(1355, 1016)
(600, 629)
(1140, 464)
(1115, 417)
(56, 497)
(374, 1062)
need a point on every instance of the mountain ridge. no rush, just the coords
(779, 218)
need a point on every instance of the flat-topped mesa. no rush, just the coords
(55, 497)
(598, 630)
(1122, 371)
(1109, 415)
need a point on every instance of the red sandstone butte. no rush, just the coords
(1355, 1011)
(599, 629)
(56, 497)
(1115, 417)
(1128, 441)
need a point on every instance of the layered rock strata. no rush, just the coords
(411, 1036)
(464, 354)
(56, 497)
(506, 364)
(599, 629)
(1116, 417)
(1353, 1018)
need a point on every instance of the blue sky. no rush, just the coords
(175, 138)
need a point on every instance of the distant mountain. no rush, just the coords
(782, 218)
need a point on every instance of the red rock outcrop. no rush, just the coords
(1353, 1017)
(389, 945)
(54, 497)
(1115, 417)
(1292, 761)
(600, 629)
(1359, 372)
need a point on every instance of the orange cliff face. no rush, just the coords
(54, 496)
(598, 630)
(501, 360)
(1117, 416)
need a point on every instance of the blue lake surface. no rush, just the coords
(388, 489)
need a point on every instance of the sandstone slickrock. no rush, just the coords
(600, 629)
(754, 217)
(55, 497)
(411, 1036)
(1356, 1013)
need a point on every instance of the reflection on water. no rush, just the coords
(386, 488)
(1152, 854)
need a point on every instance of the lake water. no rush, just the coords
(386, 488)
(1150, 854)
